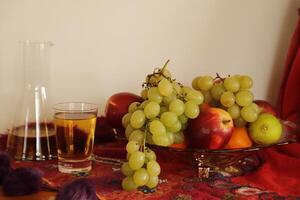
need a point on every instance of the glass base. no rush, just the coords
(71, 167)
(29, 157)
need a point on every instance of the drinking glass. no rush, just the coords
(74, 124)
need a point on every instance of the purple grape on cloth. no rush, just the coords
(78, 189)
(22, 181)
(5, 166)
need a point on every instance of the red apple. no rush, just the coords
(212, 129)
(266, 107)
(117, 106)
(104, 131)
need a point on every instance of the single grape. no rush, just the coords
(126, 170)
(141, 177)
(157, 128)
(126, 119)
(178, 137)
(216, 91)
(144, 94)
(191, 109)
(129, 129)
(128, 184)
(137, 135)
(227, 99)
(152, 182)
(152, 110)
(176, 106)
(194, 95)
(255, 107)
(234, 111)
(245, 82)
(195, 83)
(136, 160)
(153, 168)
(170, 135)
(239, 122)
(132, 146)
(183, 119)
(137, 119)
(205, 83)
(244, 98)
(249, 114)
(165, 88)
(133, 107)
(161, 140)
(168, 118)
(154, 95)
(175, 127)
(232, 84)
(150, 155)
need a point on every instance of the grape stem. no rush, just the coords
(218, 77)
(165, 65)
(144, 141)
(226, 121)
(157, 72)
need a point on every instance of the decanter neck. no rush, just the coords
(36, 62)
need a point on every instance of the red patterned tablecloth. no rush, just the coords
(179, 180)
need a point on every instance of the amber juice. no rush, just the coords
(75, 139)
(23, 143)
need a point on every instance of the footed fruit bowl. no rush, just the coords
(227, 162)
(232, 162)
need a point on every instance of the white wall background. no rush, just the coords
(103, 47)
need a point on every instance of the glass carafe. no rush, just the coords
(32, 136)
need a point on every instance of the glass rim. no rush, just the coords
(91, 106)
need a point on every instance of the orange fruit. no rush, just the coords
(239, 139)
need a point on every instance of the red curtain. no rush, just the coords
(280, 171)
(289, 95)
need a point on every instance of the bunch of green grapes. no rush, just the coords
(160, 120)
(141, 168)
(232, 94)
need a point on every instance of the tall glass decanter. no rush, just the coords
(32, 136)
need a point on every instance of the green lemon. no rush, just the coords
(266, 130)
